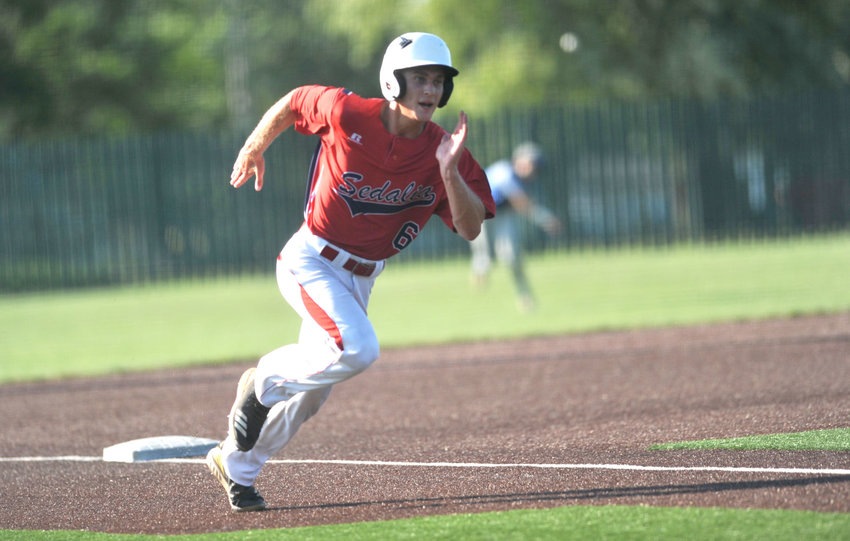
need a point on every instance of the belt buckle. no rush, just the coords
(359, 268)
(351, 265)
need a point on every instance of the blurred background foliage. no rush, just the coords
(662, 121)
(115, 67)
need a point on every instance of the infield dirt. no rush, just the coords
(599, 398)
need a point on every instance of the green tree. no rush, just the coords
(89, 67)
(580, 51)
(105, 67)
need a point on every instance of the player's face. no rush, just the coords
(525, 169)
(424, 88)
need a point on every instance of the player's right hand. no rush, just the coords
(248, 166)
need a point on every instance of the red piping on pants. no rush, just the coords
(321, 317)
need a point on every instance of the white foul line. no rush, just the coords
(70, 458)
(627, 467)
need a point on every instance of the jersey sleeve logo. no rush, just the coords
(384, 199)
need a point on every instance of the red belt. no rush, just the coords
(352, 265)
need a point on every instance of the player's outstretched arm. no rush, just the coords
(467, 209)
(250, 163)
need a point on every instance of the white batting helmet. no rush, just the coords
(409, 51)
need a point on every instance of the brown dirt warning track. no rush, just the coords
(597, 400)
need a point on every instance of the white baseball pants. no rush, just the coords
(336, 341)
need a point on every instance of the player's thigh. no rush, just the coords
(325, 299)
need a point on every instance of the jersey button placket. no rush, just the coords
(391, 155)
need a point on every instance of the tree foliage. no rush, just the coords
(85, 67)
(93, 66)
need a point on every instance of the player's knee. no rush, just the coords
(308, 403)
(360, 352)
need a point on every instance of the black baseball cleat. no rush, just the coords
(242, 498)
(247, 415)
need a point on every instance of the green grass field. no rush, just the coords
(836, 439)
(181, 323)
(563, 523)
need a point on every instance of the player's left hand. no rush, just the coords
(451, 147)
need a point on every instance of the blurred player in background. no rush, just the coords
(382, 169)
(502, 235)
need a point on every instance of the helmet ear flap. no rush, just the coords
(402, 84)
(448, 86)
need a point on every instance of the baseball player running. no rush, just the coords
(381, 170)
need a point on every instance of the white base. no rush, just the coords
(158, 447)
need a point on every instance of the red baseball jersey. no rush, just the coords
(372, 192)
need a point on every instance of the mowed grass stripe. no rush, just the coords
(99, 331)
(562, 523)
(836, 439)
